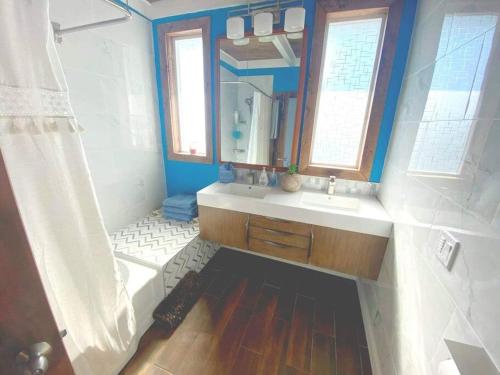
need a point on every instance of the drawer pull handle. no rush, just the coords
(275, 244)
(311, 242)
(276, 219)
(247, 228)
(278, 232)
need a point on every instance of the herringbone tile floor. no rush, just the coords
(154, 239)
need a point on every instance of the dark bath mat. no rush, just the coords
(172, 310)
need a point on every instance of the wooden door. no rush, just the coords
(25, 316)
(225, 227)
(356, 254)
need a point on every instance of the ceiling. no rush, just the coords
(163, 8)
(256, 50)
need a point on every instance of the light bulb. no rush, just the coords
(294, 19)
(235, 28)
(263, 24)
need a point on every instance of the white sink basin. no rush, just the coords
(251, 191)
(330, 201)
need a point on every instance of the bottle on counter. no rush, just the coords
(263, 179)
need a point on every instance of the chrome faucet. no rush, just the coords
(331, 186)
(250, 178)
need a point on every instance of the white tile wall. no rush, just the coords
(416, 302)
(111, 80)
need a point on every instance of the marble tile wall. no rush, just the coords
(452, 76)
(317, 183)
(111, 80)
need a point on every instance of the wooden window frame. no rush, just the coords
(360, 8)
(166, 33)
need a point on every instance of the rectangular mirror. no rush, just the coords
(260, 84)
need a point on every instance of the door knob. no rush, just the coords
(33, 360)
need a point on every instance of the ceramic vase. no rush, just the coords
(291, 182)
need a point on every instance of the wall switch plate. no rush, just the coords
(447, 248)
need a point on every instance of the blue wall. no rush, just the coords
(187, 177)
(391, 102)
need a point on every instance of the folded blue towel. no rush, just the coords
(226, 173)
(181, 211)
(180, 201)
(226, 179)
(173, 205)
(179, 217)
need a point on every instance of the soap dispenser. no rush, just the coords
(263, 180)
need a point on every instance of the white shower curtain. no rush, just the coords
(43, 153)
(260, 130)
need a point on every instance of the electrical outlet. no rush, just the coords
(447, 248)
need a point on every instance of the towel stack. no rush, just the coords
(182, 207)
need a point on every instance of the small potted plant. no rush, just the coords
(291, 181)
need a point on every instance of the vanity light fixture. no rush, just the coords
(295, 18)
(263, 24)
(241, 42)
(264, 15)
(235, 27)
(266, 39)
(298, 35)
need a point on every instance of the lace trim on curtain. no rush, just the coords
(33, 102)
(37, 125)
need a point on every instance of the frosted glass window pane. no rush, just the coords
(451, 106)
(348, 72)
(190, 94)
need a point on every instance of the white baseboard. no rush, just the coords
(370, 335)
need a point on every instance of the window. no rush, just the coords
(347, 76)
(185, 72)
(348, 90)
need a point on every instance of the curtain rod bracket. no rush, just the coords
(58, 32)
(56, 26)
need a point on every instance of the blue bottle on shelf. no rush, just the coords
(273, 178)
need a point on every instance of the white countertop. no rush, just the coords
(369, 218)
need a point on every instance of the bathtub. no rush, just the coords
(145, 288)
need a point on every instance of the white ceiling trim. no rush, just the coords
(167, 8)
(256, 64)
(285, 49)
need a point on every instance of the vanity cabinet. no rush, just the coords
(223, 226)
(353, 253)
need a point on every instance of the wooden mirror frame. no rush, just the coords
(298, 112)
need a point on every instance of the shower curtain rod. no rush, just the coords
(58, 32)
(248, 83)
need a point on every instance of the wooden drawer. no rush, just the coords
(296, 254)
(280, 225)
(283, 238)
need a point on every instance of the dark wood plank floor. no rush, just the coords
(257, 316)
